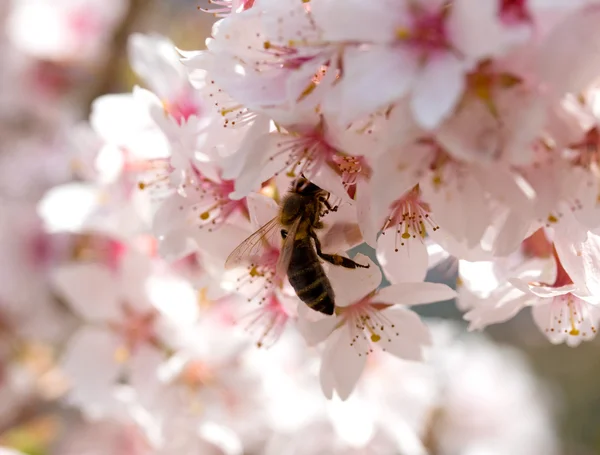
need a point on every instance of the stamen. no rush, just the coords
(411, 218)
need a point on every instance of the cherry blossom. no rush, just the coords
(125, 321)
(366, 318)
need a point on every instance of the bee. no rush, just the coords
(298, 220)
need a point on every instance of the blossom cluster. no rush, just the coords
(451, 133)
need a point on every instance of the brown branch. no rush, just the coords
(109, 73)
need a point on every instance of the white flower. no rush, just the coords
(423, 49)
(564, 299)
(365, 319)
(127, 315)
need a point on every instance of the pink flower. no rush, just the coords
(422, 48)
(367, 318)
(564, 300)
(128, 313)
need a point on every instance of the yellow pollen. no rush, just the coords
(165, 105)
(121, 354)
(224, 111)
(574, 331)
(203, 301)
(375, 338)
(204, 215)
(405, 235)
(254, 272)
(307, 91)
(437, 180)
(552, 219)
(267, 44)
(141, 185)
(402, 33)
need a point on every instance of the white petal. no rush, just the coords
(326, 376)
(408, 264)
(569, 57)
(90, 364)
(495, 310)
(67, 207)
(315, 327)
(415, 293)
(258, 167)
(579, 254)
(476, 29)
(356, 20)
(329, 180)
(347, 364)
(412, 334)
(350, 285)
(438, 88)
(541, 290)
(391, 74)
(90, 289)
(262, 209)
(155, 59)
(364, 212)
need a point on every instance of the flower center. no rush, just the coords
(411, 218)
(182, 108)
(214, 206)
(305, 153)
(269, 320)
(588, 150)
(100, 249)
(261, 268)
(514, 11)
(367, 325)
(135, 329)
(571, 315)
(351, 168)
(537, 245)
(427, 33)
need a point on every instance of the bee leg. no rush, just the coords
(331, 208)
(336, 259)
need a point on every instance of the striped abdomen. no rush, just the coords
(308, 278)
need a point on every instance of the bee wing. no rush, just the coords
(286, 250)
(253, 245)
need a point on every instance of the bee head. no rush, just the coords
(305, 187)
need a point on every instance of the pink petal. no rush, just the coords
(579, 253)
(569, 57)
(329, 180)
(408, 264)
(438, 88)
(413, 334)
(90, 290)
(494, 311)
(315, 327)
(415, 293)
(346, 363)
(476, 30)
(326, 376)
(356, 20)
(262, 209)
(258, 167)
(373, 79)
(351, 285)
(540, 290)
(155, 59)
(89, 363)
(364, 212)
